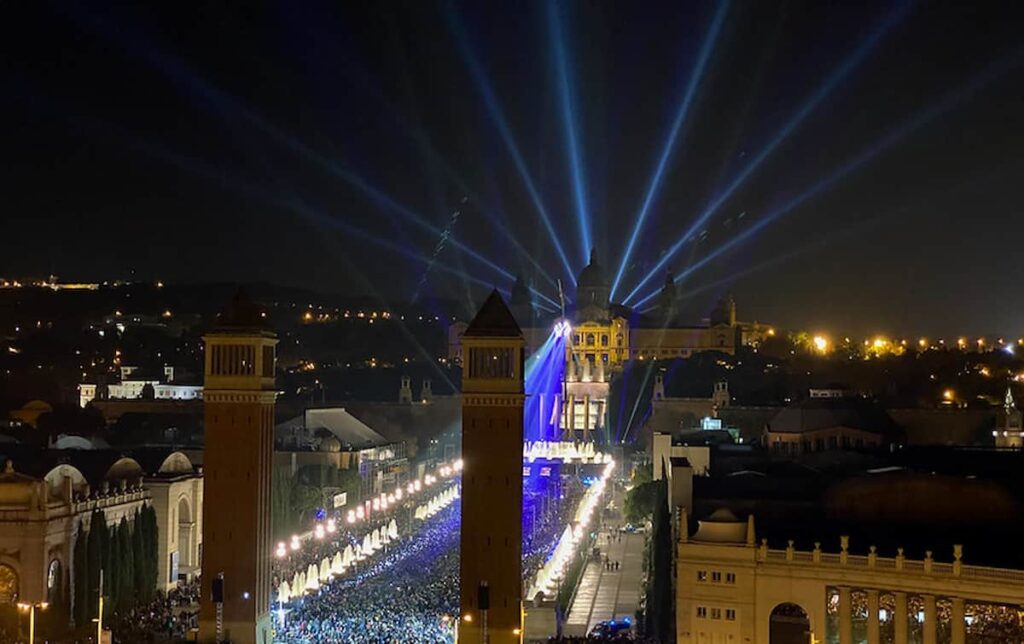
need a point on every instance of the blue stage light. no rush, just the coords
(677, 124)
(838, 75)
(568, 105)
(544, 376)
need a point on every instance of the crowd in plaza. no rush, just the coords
(410, 594)
(172, 615)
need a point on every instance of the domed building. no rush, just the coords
(50, 499)
(601, 332)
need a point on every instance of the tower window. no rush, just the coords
(268, 362)
(491, 363)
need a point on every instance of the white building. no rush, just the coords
(132, 385)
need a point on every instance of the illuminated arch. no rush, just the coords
(8, 584)
(789, 623)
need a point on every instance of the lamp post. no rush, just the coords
(31, 608)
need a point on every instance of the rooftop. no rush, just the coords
(494, 320)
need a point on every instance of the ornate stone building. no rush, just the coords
(732, 588)
(48, 496)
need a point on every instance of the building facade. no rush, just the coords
(731, 589)
(132, 386)
(48, 498)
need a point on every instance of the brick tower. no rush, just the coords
(492, 477)
(239, 399)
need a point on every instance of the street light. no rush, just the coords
(31, 608)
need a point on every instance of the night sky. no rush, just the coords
(295, 142)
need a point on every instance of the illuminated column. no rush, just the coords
(956, 622)
(570, 429)
(930, 618)
(899, 619)
(586, 417)
(490, 566)
(845, 616)
(874, 632)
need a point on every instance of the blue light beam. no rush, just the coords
(544, 373)
(684, 108)
(948, 102)
(494, 109)
(568, 105)
(850, 63)
(181, 74)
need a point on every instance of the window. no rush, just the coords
(730, 578)
(702, 575)
(268, 362)
(702, 612)
(604, 339)
(716, 613)
(716, 577)
(590, 339)
(730, 614)
(491, 363)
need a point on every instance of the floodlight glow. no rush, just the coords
(677, 124)
(563, 328)
(544, 373)
(845, 68)
(567, 103)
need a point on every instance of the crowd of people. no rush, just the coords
(171, 616)
(410, 594)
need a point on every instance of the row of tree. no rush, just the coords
(126, 553)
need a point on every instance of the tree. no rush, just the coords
(98, 556)
(150, 553)
(660, 619)
(112, 572)
(639, 503)
(282, 516)
(127, 596)
(80, 561)
(140, 558)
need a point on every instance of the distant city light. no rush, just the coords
(820, 344)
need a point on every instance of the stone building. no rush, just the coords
(47, 496)
(733, 588)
